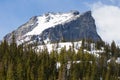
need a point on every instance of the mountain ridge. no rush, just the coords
(55, 27)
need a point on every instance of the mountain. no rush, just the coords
(55, 27)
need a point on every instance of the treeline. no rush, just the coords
(22, 62)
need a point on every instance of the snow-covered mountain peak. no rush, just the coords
(56, 27)
(52, 19)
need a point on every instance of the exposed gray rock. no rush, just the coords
(81, 28)
(23, 29)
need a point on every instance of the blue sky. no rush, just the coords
(14, 13)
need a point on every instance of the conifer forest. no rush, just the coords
(23, 62)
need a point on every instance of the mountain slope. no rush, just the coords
(55, 27)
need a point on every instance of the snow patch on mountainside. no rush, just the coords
(50, 20)
(67, 45)
(59, 46)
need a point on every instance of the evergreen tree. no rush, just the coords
(113, 48)
(10, 75)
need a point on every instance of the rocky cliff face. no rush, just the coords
(82, 27)
(22, 30)
(55, 27)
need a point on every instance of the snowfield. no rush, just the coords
(67, 45)
(50, 20)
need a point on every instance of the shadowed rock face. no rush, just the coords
(83, 27)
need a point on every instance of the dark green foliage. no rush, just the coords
(113, 48)
(24, 63)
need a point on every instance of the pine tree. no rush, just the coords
(113, 48)
(10, 75)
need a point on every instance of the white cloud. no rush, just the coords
(107, 18)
